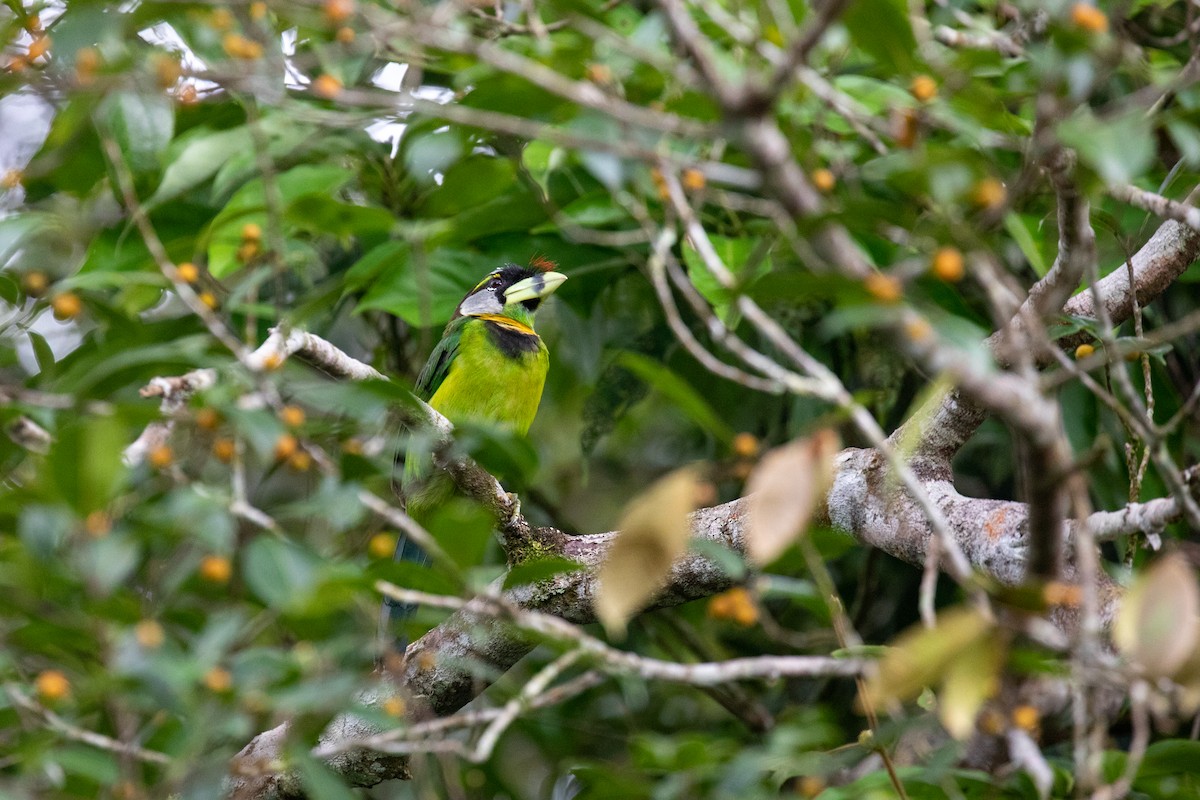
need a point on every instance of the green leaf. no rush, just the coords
(142, 124)
(85, 466)
(538, 570)
(677, 391)
(1022, 229)
(1119, 150)
(881, 28)
(280, 574)
(470, 182)
(203, 152)
(41, 351)
(423, 291)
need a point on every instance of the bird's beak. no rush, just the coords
(535, 287)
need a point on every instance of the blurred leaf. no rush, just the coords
(201, 153)
(653, 532)
(1156, 622)
(142, 124)
(280, 574)
(1119, 150)
(921, 656)
(784, 491)
(678, 392)
(85, 466)
(422, 290)
(882, 29)
(539, 570)
(41, 351)
(971, 680)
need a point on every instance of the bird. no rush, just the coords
(489, 367)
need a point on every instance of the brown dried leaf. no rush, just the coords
(783, 492)
(921, 656)
(1155, 623)
(654, 532)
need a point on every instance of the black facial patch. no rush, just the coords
(510, 341)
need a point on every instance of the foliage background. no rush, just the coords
(376, 210)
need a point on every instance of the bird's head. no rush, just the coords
(511, 290)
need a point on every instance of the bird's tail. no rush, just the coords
(395, 613)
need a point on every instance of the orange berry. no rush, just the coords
(87, 61)
(238, 46)
(149, 634)
(52, 686)
(216, 569)
(382, 545)
(693, 180)
(161, 457)
(272, 362)
(327, 86)
(258, 10)
(39, 47)
(167, 70)
(222, 19)
(285, 446)
(992, 722)
(209, 299)
(35, 283)
(924, 88)
(823, 179)
(1057, 593)
(187, 272)
(884, 288)
(810, 786)
(599, 73)
(905, 127)
(17, 64)
(251, 232)
(292, 416)
(300, 461)
(948, 264)
(352, 447)
(1089, 18)
(989, 193)
(1084, 351)
(97, 524)
(918, 329)
(218, 680)
(746, 445)
(345, 35)
(66, 306)
(394, 707)
(338, 11)
(208, 419)
(1026, 718)
(426, 661)
(247, 250)
(224, 449)
(188, 95)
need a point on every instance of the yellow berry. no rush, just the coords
(238, 46)
(292, 416)
(35, 283)
(251, 232)
(209, 299)
(300, 461)
(224, 449)
(338, 11)
(1083, 351)
(810, 786)
(247, 250)
(948, 264)
(924, 88)
(218, 680)
(97, 524)
(884, 288)
(222, 19)
(208, 419)
(823, 179)
(87, 61)
(187, 272)
(352, 447)
(394, 707)
(258, 10)
(989, 193)
(382, 545)
(167, 70)
(746, 445)
(272, 361)
(161, 457)
(52, 686)
(216, 569)
(1089, 18)
(1026, 718)
(66, 306)
(285, 446)
(693, 180)
(149, 634)
(327, 86)
(345, 35)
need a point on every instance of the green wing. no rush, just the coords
(438, 365)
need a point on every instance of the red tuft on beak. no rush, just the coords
(542, 263)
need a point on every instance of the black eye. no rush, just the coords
(495, 283)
